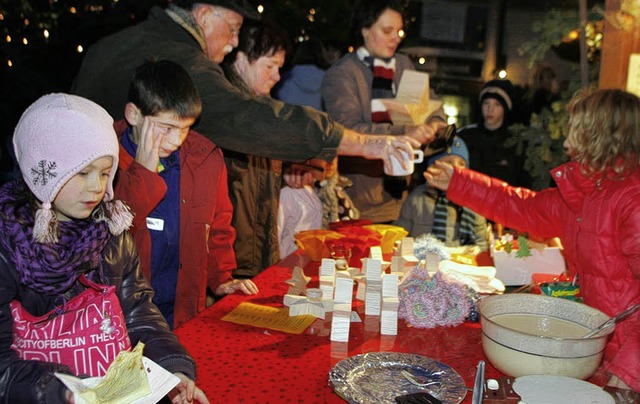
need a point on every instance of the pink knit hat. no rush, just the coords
(56, 137)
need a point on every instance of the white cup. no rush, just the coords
(396, 168)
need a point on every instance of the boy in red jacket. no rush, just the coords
(175, 181)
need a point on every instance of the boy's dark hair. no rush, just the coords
(164, 86)
(367, 13)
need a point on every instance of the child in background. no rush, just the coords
(595, 210)
(300, 208)
(427, 209)
(175, 181)
(60, 221)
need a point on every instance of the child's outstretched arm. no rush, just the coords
(439, 175)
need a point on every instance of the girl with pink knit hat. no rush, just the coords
(62, 234)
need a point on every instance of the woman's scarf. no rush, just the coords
(50, 269)
(382, 85)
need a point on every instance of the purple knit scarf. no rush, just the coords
(47, 268)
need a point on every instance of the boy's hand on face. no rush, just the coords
(149, 145)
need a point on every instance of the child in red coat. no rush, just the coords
(595, 210)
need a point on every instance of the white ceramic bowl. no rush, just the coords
(528, 334)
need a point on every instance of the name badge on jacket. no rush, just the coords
(155, 224)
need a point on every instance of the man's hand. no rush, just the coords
(149, 145)
(439, 174)
(246, 286)
(186, 392)
(380, 147)
(426, 132)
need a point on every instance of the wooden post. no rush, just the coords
(617, 45)
(584, 68)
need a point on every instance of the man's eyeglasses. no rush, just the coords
(233, 31)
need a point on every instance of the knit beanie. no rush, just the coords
(458, 148)
(56, 137)
(500, 90)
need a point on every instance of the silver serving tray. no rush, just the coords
(377, 377)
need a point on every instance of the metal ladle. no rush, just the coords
(612, 321)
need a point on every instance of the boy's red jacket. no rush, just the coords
(206, 235)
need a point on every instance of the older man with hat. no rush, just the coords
(486, 139)
(197, 34)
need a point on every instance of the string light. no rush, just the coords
(45, 33)
(25, 41)
(8, 38)
(422, 61)
(9, 63)
(260, 9)
(451, 111)
(80, 49)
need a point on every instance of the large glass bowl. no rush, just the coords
(528, 334)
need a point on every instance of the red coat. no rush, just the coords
(206, 235)
(599, 225)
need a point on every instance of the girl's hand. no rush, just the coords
(186, 392)
(439, 174)
(68, 395)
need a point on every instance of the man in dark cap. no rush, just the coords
(486, 139)
(197, 35)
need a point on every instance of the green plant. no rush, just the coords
(541, 143)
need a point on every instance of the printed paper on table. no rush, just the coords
(273, 318)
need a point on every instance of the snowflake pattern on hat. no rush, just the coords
(43, 172)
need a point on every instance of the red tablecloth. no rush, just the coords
(240, 363)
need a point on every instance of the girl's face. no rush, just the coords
(383, 37)
(569, 143)
(493, 113)
(261, 74)
(84, 191)
(569, 147)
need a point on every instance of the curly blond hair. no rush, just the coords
(604, 128)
